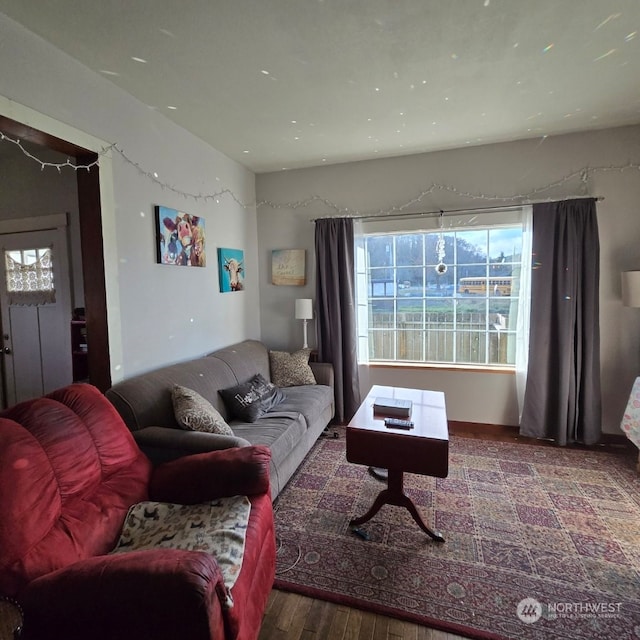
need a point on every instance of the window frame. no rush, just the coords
(396, 283)
(29, 276)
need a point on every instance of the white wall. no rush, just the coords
(500, 170)
(157, 314)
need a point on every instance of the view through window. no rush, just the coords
(462, 313)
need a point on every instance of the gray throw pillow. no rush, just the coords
(251, 399)
(195, 413)
(291, 369)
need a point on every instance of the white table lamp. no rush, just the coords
(304, 312)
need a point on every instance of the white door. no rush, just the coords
(36, 313)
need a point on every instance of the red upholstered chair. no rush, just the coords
(69, 471)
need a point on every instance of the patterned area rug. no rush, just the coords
(541, 542)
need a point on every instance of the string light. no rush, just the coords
(152, 176)
(55, 165)
(583, 175)
(185, 194)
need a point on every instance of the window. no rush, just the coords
(463, 314)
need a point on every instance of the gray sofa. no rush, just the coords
(290, 429)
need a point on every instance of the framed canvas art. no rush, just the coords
(288, 267)
(231, 269)
(180, 238)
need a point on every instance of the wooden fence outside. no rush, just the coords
(431, 338)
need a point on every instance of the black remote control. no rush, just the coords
(360, 532)
(398, 423)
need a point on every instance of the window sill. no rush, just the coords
(462, 368)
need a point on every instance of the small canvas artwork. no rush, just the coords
(180, 238)
(231, 269)
(287, 267)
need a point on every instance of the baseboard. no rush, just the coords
(483, 430)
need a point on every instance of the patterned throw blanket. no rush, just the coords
(218, 527)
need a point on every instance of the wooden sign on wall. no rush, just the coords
(288, 267)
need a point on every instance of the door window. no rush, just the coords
(30, 276)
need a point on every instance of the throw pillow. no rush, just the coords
(195, 413)
(251, 399)
(291, 369)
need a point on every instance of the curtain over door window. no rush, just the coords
(29, 275)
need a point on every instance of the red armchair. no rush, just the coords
(69, 471)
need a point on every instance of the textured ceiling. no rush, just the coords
(280, 84)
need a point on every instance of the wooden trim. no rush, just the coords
(483, 431)
(37, 223)
(482, 427)
(439, 367)
(22, 131)
(93, 273)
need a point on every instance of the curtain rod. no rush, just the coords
(445, 212)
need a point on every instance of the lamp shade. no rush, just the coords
(304, 309)
(631, 288)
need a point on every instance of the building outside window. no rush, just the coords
(447, 296)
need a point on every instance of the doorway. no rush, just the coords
(35, 306)
(92, 252)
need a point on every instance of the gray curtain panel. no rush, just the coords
(562, 396)
(336, 310)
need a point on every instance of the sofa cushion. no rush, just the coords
(251, 399)
(244, 360)
(291, 369)
(195, 413)
(279, 430)
(310, 400)
(145, 400)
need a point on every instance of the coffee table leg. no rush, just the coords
(394, 494)
(436, 535)
(375, 507)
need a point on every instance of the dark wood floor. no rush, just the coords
(293, 617)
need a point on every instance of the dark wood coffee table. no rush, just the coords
(423, 449)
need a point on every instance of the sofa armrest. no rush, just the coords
(323, 372)
(160, 594)
(187, 442)
(206, 476)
